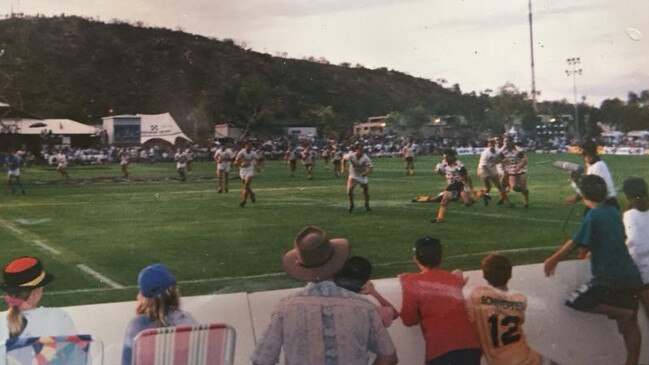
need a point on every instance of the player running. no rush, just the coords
(62, 164)
(181, 163)
(247, 162)
(223, 158)
(308, 159)
(488, 172)
(337, 159)
(459, 183)
(515, 165)
(408, 152)
(498, 314)
(125, 160)
(360, 166)
(12, 161)
(290, 158)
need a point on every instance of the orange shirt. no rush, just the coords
(498, 317)
(434, 300)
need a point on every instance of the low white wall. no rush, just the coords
(567, 336)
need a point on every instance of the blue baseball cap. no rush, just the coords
(154, 280)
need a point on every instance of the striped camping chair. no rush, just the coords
(53, 350)
(209, 344)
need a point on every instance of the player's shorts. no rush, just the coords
(363, 180)
(455, 188)
(124, 163)
(246, 172)
(61, 166)
(14, 172)
(224, 166)
(181, 166)
(410, 159)
(307, 164)
(588, 296)
(486, 171)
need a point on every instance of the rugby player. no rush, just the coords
(488, 172)
(181, 163)
(360, 166)
(515, 165)
(223, 158)
(308, 158)
(247, 162)
(290, 158)
(459, 183)
(62, 164)
(408, 153)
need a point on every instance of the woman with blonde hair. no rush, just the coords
(158, 305)
(24, 279)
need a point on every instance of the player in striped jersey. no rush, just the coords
(459, 183)
(515, 165)
(498, 314)
(488, 172)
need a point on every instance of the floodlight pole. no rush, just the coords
(529, 6)
(574, 71)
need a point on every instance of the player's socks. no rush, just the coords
(367, 207)
(253, 198)
(441, 213)
(350, 209)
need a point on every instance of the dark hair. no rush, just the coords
(428, 251)
(640, 203)
(593, 188)
(354, 274)
(496, 269)
(449, 152)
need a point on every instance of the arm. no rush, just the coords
(550, 264)
(409, 308)
(369, 289)
(386, 359)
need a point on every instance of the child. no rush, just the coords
(354, 276)
(616, 279)
(498, 315)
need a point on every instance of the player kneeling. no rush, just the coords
(459, 183)
(498, 315)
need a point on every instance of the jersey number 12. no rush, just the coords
(510, 324)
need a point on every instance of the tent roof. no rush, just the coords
(160, 126)
(57, 126)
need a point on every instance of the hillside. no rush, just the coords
(71, 67)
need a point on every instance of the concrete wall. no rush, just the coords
(567, 336)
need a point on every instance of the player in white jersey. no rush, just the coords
(595, 166)
(498, 314)
(515, 165)
(408, 153)
(125, 160)
(181, 163)
(337, 159)
(459, 183)
(326, 156)
(247, 162)
(223, 158)
(62, 164)
(488, 172)
(189, 154)
(290, 158)
(360, 166)
(308, 159)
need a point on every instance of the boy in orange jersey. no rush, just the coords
(498, 315)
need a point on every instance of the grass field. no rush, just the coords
(95, 232)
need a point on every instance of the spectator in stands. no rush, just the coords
(322, 323)
(355, 276)
(24, 279)
(498, 314)
(616, 279)
(158, 305)
(433, 299)
(636, 228)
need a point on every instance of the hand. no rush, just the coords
(549, 266)
(368, 288)
(571, 199)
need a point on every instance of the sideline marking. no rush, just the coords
(45, 247)
(99, 276)
(31, 222)
(279, 274)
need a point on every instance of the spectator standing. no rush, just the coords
(12, 161)
(322, 323)
(158, 305)
(636, 229)
(433, 299)
(24, 279)
(616, 279)
(595, 166)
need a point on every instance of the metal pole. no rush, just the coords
(529, 6)
(573, 62)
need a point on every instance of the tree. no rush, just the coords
(249, 102)
(329, 122)
(510, 105)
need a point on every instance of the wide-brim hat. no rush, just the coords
(24, 273)
(315, 256)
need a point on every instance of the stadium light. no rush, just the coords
(573, 63)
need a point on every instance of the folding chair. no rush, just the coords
(209, 344)
(54, 350)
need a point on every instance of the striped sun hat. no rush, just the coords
(24, 273)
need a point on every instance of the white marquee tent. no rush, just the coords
(160, 126)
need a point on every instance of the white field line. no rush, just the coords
(34, 239)
(56, 204)
(99, 276)
(279, 274)
(46, 247)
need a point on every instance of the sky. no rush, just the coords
(478, 44)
